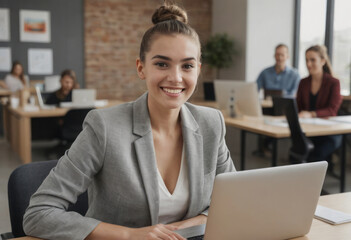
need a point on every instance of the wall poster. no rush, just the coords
(5, 59)
(40, 61)
(35, 26)
(4, 24)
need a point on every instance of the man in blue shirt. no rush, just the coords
(280, 76)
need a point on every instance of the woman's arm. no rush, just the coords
(198, 220)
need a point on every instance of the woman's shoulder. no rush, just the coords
(204, 114)
(331, 78)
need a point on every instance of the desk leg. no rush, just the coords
(21, 137)
(274, 152)
(343, 164)
(242, 151)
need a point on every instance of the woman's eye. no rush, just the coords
(161, 64)
(188, 66)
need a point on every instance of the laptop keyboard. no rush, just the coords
(201, 237)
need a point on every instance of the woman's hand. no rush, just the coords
(158, 231)
(109, 231)
(307, 114)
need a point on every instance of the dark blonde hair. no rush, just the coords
(21, 76)
(168, 19)
(323, 53)
(70, 73)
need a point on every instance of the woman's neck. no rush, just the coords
(318, 77)
(164, 120)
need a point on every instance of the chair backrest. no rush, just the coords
(72, 123)
(301, 145)
(23, 182)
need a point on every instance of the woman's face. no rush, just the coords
(314, 62)
(67, 84)
(17, 70)
(171, 69)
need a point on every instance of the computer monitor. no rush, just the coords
(245, 96)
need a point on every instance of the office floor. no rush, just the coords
(9, 161)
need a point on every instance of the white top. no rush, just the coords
(173, 207)
(14, 84)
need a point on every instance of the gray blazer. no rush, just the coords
(114, 158)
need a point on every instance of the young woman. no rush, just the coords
(149, 165)
(318, 95)
(16, 80)
(64, 94)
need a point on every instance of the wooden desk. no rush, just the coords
(258, 126)
(265, 103)
(319, 230)
(17, 126)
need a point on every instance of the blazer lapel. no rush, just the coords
(145, 154)
(193, 143)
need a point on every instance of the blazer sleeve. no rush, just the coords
(300, 96)
(47, 216)
(333, 103)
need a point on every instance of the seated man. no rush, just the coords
(280, 76)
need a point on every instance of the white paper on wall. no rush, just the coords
(40, 61)
(5, 59)
(4, 24)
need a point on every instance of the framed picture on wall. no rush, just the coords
(4, 24)
(35, 26)
(5, 59)
(40, 61)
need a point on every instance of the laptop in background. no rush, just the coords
(266, 204)
(40, 100)
(52, 83)
(270, 93)
(81, 98)
(245, 96)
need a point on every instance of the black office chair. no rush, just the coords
(301, 145)
(72, 124)
(23, 182)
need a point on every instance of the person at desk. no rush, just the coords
(64, 94)
(318, 95)
(149, 165)
(280, 76)
(16, 80)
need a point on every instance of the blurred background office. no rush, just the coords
(100, 41)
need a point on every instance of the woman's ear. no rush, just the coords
(140, 69)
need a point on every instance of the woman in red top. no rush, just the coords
(318, 95)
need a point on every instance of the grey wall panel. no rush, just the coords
(67, 34)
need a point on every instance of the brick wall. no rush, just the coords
(113, 32)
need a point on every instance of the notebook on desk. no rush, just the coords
(266, 204)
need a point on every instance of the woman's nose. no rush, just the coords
(176, 75)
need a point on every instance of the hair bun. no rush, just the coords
(169, 12)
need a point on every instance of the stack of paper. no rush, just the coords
(331, 216)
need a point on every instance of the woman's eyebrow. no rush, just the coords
(169, 59)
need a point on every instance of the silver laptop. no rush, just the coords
(245, 96)
(81, 98)
(265, 204)
(40, 100)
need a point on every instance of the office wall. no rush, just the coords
(269, 22)
(258, 26)
(113, 32)
(66, 34)
(230, 17)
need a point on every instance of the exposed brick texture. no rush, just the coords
(113, 32)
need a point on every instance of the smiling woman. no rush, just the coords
(144, 163)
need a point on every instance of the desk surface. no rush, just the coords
(257, 125)
(320, 230)
(265, 103)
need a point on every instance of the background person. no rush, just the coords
(150, 164)
(64, 94)
(280, 76)
(16, 80)
(318, 95)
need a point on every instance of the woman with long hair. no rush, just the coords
(318, 95)
(16, 80)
